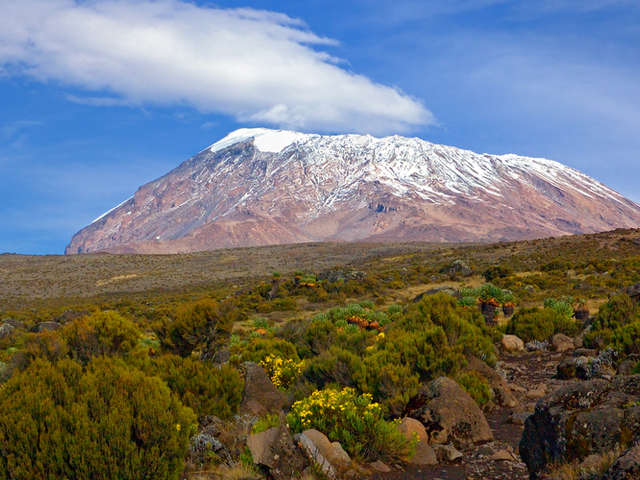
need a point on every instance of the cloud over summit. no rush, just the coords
(254, 65)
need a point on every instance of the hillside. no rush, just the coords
(359, 360)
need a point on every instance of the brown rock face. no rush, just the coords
(260, 397)
(449, 414)
(262, 187)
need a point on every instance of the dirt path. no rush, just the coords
(531, 376)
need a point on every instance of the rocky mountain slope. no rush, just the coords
(262, 187)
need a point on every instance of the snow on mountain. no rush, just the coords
(262, 186)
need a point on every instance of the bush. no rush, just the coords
(353, 420)
(541, 324)
(619, 310)
(108, 421)
(205, 388)
(477, 387)
(282, 371)
(202, 325)
(98, 334)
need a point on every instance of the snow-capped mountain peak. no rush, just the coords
(261, 186)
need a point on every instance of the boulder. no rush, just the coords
(260, 396)
(626, 467)
(275, 449)
(562, 343)
(457, 268)
(330, 458)
(47, 326)
(380, 467)
(512, 343)
(580, 419)
(449, 414)
(447, 453)
(498, 384)
(6, 329)
(424, 453)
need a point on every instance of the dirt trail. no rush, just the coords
(530, 375)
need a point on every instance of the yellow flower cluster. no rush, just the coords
(282, 371)
(323, 405)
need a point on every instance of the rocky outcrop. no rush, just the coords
(260, 396)
(275, 450)
(449, 414)
(580, 419)
(330, 458)
(265, 187)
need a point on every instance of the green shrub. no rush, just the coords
(107, 420)
(101, 333)
(202, 326)
(202, 386)
(541, 324)
(619, 310)
(354, 421)
(495, 272)
(477, 387)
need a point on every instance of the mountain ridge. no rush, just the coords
(263, 187)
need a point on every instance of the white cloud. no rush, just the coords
(255, 65)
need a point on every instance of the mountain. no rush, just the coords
(261, 186)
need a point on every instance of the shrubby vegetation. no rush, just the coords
(103, 420)
(353, 420)
(354, 337)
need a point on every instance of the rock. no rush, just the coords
(626, 467)
(6, 329)
(518, 418)
(580, 419)
(628, 365)
(536, 346)
(260, 397)
(379, 466)
(567, 368)
(457, 268)
(449, 414)
(447, 453)
(413, 429)
(538, 392)
(585, 352)
(512, 343)
(274, 449)
(329, 457)
(15, 323)
(498, 384)
(201, 445)
(562, 343)
(503, 455)
(47, 326)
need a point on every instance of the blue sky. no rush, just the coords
(100, 97)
